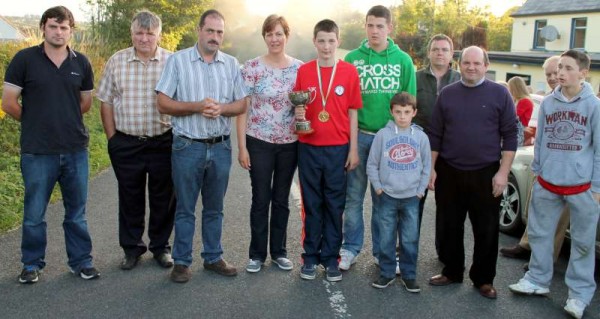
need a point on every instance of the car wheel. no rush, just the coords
(510, 208)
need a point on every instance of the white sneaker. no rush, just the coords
(526, 287)
(347, 259)
(283, 263)
(575, 308)
(254, 265)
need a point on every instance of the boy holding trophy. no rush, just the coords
(326, 154)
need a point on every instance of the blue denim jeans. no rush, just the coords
(398, 217)
(199, 168)
(40, 174)
(354, 227)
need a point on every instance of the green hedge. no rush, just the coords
(11, 189)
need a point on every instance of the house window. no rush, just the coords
(578, 27)
(525, 77)
(538, 41)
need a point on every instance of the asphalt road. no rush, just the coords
(146, 291)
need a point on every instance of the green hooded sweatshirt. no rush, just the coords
(382, 74)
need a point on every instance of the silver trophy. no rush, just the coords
(300, 99)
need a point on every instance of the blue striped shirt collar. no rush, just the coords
(195, 55)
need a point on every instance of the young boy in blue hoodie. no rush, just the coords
(567, 165)
(398, 167)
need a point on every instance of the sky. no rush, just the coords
(37, 7)
(78, 7)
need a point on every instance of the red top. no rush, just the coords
(344, 95)
(524, 110)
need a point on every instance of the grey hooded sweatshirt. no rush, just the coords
(400, 161)
(567, 143)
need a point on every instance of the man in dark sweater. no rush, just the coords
(473, 137)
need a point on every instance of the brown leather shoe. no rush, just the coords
(441, 280)
(221, 267)
(181, 274)
(516, 251)
(488, 291)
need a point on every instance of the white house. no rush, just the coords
(542, 28)
(9, 32)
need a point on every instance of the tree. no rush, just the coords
(111, 20)
(352, 29)
(474, 35)
(500, 31)
(416, 21)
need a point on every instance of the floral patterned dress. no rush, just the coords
(271, 114)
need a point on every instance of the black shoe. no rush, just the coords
(164, 260)
(129, 262)
(383, 282)
(411, 285)
(333, 273)
(89, 273)
(29, 276)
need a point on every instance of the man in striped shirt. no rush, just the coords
(139, 142)
(202, 88)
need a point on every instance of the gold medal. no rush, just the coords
(323, 116)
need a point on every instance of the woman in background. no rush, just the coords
(267, 144)
(523, 103)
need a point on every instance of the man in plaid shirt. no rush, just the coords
(139, 142)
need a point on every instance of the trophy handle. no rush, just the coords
(312, 92)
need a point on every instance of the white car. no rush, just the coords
(513, 210)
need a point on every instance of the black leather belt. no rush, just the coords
(144, 138)
(210, 140)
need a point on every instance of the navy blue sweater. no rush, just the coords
(470, 126)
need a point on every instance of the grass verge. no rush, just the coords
(11, 189)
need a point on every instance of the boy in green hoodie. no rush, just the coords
(384, 70)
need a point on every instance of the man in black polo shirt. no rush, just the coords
(55, 85)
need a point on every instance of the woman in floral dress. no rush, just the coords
(267, 144)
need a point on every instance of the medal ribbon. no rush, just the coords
(324, 97)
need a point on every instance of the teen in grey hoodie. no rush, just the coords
(398, 168)
(567, 165)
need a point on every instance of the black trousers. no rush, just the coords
(139, 163)
(458, 193)
(323, 184)
(272, 172)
